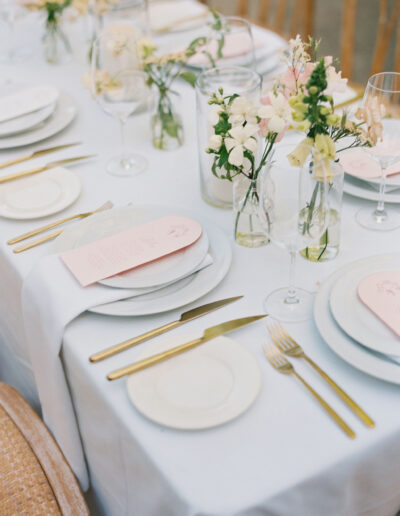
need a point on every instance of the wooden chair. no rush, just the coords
(388, 28)
(35, 478)
(285, 17)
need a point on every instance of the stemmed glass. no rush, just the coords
(119, 88)
(383, 94)
(294, 212)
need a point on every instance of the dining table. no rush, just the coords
(282, 456)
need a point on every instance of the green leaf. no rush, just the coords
(188, 77)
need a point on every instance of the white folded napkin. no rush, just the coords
(51, 299)
(164, 14)
(26, 101)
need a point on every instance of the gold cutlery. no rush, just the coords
(290, 347)
(53, 164)
(36, 154)
(184, 318)
(282, 364)
(359, 96)
(171, 26)
(209, 333)
(20, 238)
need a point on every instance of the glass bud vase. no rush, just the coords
(233, 80)
(327, 246)
(57, 48)
(166, 123)
(247, 226)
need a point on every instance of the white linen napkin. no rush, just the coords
(51, 299)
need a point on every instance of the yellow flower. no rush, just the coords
(301, 152)
(322, 168)
(325, 145)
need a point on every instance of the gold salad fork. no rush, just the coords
(282, 364)
(290, 347)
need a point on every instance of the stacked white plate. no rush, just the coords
(29, 114)
(349, 328)
(169, 283)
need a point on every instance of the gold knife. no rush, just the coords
(32, 171)
(37, 153)
(184, 318)
(209, 333)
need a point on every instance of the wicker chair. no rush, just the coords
(35, 478)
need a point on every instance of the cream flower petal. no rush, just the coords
(236, 156)
(229, 143)
(251, 144)
(276, 124)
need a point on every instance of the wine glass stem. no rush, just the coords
(123, 154)
(291, 297)
(380, 213)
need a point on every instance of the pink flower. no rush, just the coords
(293, 78)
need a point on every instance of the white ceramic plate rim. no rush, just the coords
(242, 364)
(361, 192)
(355, 318)
(66, 175)
(339, 342)
(62, 116)
(26, 122)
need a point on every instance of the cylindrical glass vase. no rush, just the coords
(327, 246)
(166, 122)
(232, 79)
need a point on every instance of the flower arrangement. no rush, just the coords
(161, 73)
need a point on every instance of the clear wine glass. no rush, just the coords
(120, 89)
(383, 93)
(294, 212)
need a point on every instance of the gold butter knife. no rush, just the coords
(37, 153)
(184, 318)
(182, 21)
(53, 164)
(209, 333)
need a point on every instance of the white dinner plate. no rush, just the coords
(355, 318)
(62, 116)
(25, 122)
(363, 190)
(355, 162)
(39, 195)
(348, 349)
(178, 294)
(170, 268)
(202, 388)
(165, 14)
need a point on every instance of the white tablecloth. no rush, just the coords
(282, 457)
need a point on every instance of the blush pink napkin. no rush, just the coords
(136, 246)
(357, 163)
(380, 292)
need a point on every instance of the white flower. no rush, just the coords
(335, 81)
(242, 110)
(277, 113)
(215, 142)
(241, 139)
(297, 52)
(213, 116)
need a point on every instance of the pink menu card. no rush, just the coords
(132, 248)
(381, 293)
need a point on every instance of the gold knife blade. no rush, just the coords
(53, 164)
(36, 154)
(184, 318)
(209, 333)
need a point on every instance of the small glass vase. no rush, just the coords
(166, 123)
(327, 246)
(57, 48)
(248, 230)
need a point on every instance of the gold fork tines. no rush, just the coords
(290, 347)
(282, 364)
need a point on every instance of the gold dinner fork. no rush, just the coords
(290, 347)
(282, 364)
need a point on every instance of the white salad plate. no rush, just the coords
(25, 122)
(355, 318)
(360, 357)
(61, 117)
(39, 195)
(364, 190)
(173, 14)
(171, 268)
(202, 388)
(171, 296)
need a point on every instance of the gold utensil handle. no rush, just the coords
(44, 228)
(113, 350)
(155, 359)
(167, 28)
(18, 175)
(345, 397)
(36, 242)
(15, 161)
(338, 420)
(350, 101)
